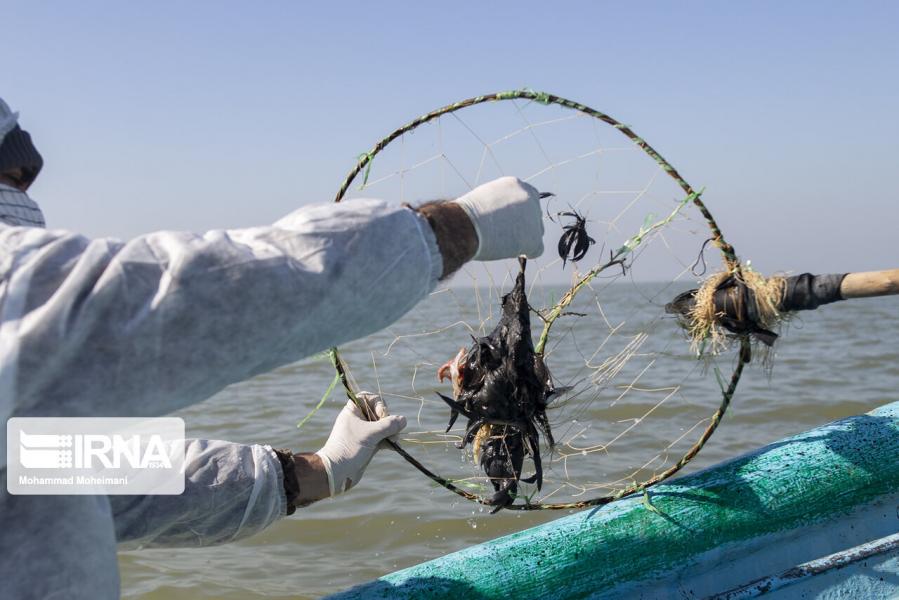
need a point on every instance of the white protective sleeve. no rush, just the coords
(231, 491)
(143, 328)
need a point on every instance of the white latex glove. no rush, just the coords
(507, 217)
(354, 441)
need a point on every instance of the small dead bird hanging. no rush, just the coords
(503, 387)
(574, 236)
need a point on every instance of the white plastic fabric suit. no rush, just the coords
(141, 328)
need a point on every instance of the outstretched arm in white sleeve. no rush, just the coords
(102, 327)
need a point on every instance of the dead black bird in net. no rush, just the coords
(574, 237)
(736, 308)
(503, 387)
(751, 305)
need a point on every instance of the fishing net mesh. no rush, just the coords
(636, 395)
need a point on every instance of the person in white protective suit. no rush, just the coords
(102, 327)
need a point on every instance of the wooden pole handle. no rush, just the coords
(871, 283)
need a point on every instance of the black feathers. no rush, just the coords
(504, 389)
(574, 237)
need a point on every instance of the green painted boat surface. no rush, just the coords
(712, 533)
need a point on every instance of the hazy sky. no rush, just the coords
(197, 115)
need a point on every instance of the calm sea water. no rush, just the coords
(840, 360)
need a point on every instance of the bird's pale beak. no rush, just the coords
(452, 369)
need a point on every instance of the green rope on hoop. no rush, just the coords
(367, 158)
(510, 95)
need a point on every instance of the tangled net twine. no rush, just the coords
(701, 332)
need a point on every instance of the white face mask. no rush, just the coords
(17, 209)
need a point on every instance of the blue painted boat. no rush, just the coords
(813, 516)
